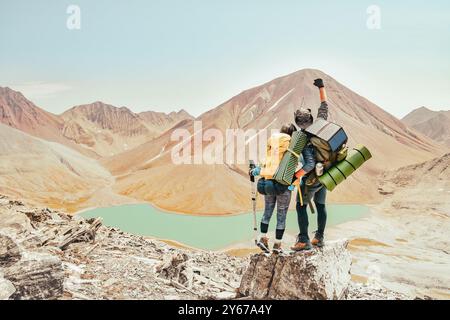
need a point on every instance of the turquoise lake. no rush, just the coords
(206, 232)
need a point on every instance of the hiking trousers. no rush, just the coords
(282, 202)
(318, 193)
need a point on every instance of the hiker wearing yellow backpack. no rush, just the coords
(310, 191)
(274, 193)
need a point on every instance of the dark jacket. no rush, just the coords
(309, 160)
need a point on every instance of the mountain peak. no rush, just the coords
(7, 91)
(4, 89)
(165, 120)
(98, 107)
(20, 113)
(308, 73)
(181, 113)
(302, 74)
(422, 108)
(100, 103)
(434, 124)
(418, 115)
(311, 71)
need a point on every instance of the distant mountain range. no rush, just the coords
(136, 147)
(434, 124)
(96, 129)
(109, 130)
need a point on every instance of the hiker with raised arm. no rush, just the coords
(310, 189)
(274, 193)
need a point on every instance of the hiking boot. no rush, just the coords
(300, 246)
(318, 240)
(277, 248)
(263, 244)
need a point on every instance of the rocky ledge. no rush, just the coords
(322, 273)
(45, 254)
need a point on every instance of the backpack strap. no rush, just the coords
(293, 152)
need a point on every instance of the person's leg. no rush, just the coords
(302, 215)
(269, 206)
(303, 242)
(321, 218)
(319, 200)
(303, 223)
(283, 201)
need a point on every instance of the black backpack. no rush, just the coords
(330, 145)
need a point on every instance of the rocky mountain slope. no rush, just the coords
(18, 112)
(46, 254)
(46, 172)
(142, 172)
(434, 124)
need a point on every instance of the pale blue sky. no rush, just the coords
(194, 54)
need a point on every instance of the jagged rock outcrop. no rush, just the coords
(185, 272)
(317, 274)
(28, 275)
(36, 276)
(9, 252)
(175, 268)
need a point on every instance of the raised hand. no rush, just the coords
(319, 83)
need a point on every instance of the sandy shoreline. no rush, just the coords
(135, 202)
(160, 209)
(404, 252)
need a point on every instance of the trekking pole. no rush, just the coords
(252, 180)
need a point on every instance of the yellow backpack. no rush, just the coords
(277, 145)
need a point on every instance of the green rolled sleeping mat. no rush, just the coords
(341, 171)
(286, 170)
